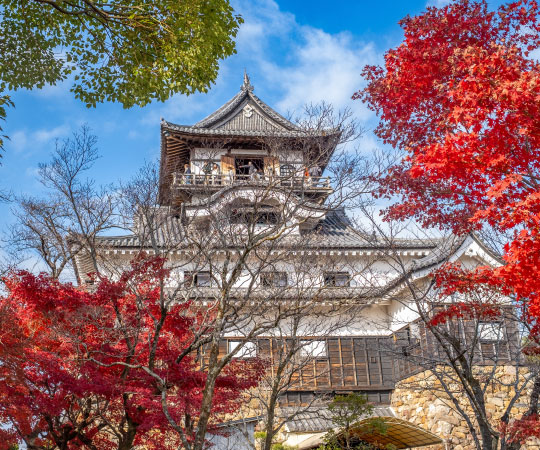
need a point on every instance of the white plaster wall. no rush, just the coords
(208, 154)
(240, 437)
(401, 312)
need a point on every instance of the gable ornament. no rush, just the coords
(248, 111)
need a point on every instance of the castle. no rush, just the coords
(248, 192)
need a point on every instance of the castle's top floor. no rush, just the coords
(243, 141)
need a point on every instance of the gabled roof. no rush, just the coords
(249, 104)
(337, 230)
(244, 115)
(314, 422)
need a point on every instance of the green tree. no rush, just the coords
(346, 411)
(127, 51)
(5, 101)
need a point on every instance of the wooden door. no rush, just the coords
(227, 163)
(271, 163)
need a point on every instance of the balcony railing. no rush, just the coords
(217, 181)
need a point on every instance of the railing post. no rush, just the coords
(299, 183)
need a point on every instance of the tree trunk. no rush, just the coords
(208, 396)
(489, 440)
(129, 436)
(271, 410)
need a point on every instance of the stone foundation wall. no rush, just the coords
(419, 400)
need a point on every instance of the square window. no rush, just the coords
(248, 350)
(337, 279)
(413, 333)
(274, 279)
(199, 279)
(313, 349)
(490, 331)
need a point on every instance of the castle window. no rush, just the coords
(199, 279)
(267, 218)
(286, 170)
(265, 215)
(313, 349)
(413, 334)
(337, 279)
(248, 350)
(489, 331)
(274, 279)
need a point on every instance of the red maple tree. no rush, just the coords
(460, 96)
(90, 368)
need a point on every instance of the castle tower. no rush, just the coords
(245, 175)
(244, 130)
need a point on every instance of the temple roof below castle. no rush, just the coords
(335, 231)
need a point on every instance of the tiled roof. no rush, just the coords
(168, 231)
(254, 133)
(335, 231)
(212, 124)
(246, 93)
(400, 433)
(316, 419)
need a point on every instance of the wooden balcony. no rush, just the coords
(212, 183)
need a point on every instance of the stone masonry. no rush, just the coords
(419, 400)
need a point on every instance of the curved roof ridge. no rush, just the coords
(199, 131)
(246, 92)
(222, 111)
(273, 113)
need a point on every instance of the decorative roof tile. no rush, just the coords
(195, 131)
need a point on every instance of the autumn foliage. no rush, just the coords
(79, 368)
(460, 98)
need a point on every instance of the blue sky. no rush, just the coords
(295, 52)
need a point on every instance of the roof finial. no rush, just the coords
(247, 84)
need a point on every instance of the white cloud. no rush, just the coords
(290, 64)
(327, 67)
(304, 64)
(60, 90)
(43, 136)
(438, 3)
(262, 20)
(178, 107)
(32, 172)
(30, 141)
(18, 140)
(368, 143)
